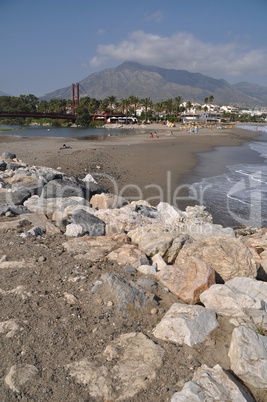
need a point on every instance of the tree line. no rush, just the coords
(89, 106)
(170, 108)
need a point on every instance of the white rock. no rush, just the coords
(158, 261)
(236, 297)
(201, 231)
(212, 384)
(169, 214)
(133, 361)
(74, 230)
(122, 219)
(147, 269)
(16, 264)
(151, 239)
(71, 299)
(50, 205)
(186, 324)
(19, 374)
(248, 356)
(250, 287)
(197, 214)
(89, 179)
(18, 291)
(107, 201)
(9, 328)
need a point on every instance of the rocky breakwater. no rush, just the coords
(109, 300)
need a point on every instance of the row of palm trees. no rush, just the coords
(131, 104)
(169, 106)
(128, 106)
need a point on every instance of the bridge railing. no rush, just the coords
(39, 115)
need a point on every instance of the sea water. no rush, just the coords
(80, 133)
(238, 194)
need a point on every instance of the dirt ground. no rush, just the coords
(54, 333)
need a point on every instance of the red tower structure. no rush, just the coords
(75, 97)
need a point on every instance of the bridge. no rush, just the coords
(69, 115)
(48, 115)
(39, 115)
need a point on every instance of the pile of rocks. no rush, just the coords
(212, 271)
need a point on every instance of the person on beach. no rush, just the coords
(64, 146)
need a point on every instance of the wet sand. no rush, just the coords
(133, 165)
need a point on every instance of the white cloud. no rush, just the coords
(184, 51)
(156, 17)
(101, 31)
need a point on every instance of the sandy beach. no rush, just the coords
(133, 165)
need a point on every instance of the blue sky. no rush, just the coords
(50, 44)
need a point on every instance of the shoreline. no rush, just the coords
(132, 165)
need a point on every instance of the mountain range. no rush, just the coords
(145, 81)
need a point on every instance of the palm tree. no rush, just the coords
(103, 105)
(125, 103)
(112, 100)
(134, 100)
(146, 103)
(93, 105)
(169, 105)
(177, 102)
(188, 106)
(159, 108)
(211, 99)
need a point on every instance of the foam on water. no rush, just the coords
(262, 129)
(239, 196)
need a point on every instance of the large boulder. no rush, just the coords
(60, 188)
(248, 356)
(127, 295)
(106, 201)
(91, 225)
(70, 187)
(93, 248)
(257, 244)
(127, 254)
(226, 255)
(13, 197)
(8, 155)
(238, 297)
(32, 183)
(213, 384)
(152, 239)
(50, 205)
(188, 280)
(185, 324)
(123, 219)
(132, 362)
